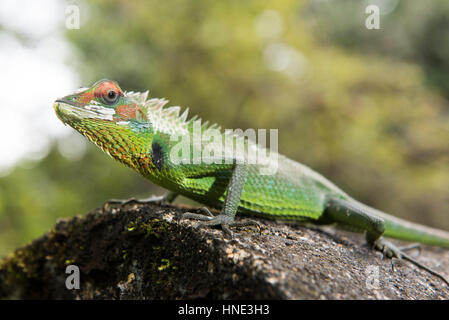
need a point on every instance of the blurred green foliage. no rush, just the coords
(416, 31)
(366, 108)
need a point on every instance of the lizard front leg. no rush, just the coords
(226, 218)
(168, 197)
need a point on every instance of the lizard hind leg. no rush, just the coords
(348, 213)
(389, 250)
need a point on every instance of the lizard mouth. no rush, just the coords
(68, 110)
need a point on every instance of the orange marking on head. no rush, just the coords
(133, 111)
(126, 112)
(104, 87)
(86, 97)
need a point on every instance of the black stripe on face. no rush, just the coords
(157, 155)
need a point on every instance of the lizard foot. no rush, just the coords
(154, 199)
(389, 250)
(411, 247)
(226, 222)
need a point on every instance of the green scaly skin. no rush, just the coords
(139, 132)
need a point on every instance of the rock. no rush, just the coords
(146, 252)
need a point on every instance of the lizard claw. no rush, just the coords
(389, 250)
(159, 200)
(224, 221)
(411, 247)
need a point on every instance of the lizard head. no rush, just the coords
(114, 120)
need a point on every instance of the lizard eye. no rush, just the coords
(111, 96)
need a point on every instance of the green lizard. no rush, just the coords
(144, 135)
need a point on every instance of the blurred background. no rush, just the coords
(367, 108)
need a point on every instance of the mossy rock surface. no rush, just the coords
(146, 252)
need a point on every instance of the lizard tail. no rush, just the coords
(410, 231)
(405, 230)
